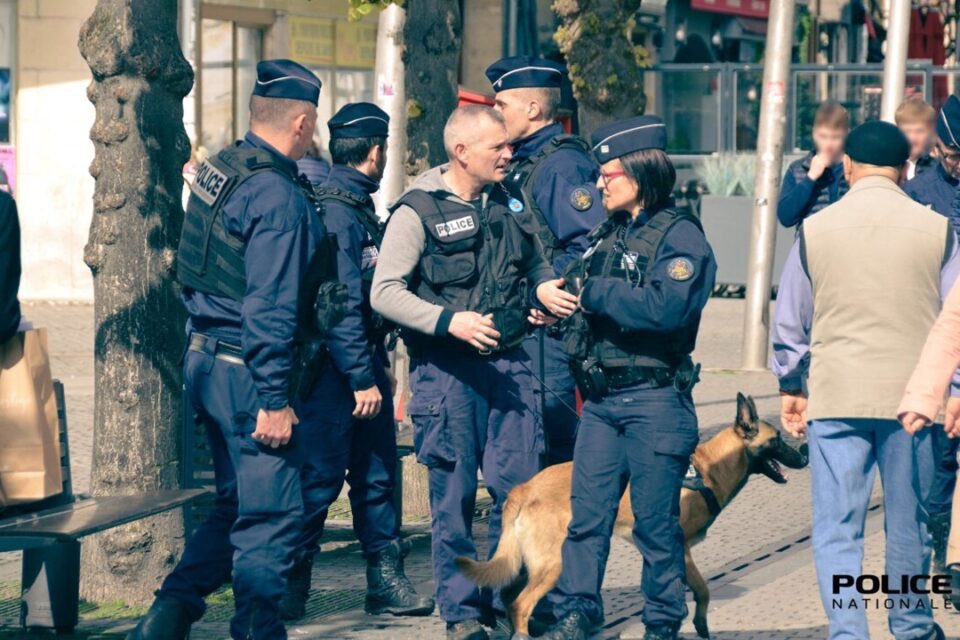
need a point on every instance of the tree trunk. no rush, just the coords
(606, 68)
(432, 38)
(139, 80)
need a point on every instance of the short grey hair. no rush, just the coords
(549, 100)
(461, 125)
(276, 112)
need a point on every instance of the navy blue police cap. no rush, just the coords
(286, 79)
(878, 143)
(626, 136)
(948, 124)
(525, 71)
(359, 120)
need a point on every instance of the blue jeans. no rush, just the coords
(339, 447)
(945, 461)
(257, 517)
(470, 412)
(645, 435)
(844, 457)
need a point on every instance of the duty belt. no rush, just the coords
(621, 377)
(221, 350)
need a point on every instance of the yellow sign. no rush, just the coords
(356, 44)
(312, 41)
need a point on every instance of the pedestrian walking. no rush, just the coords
(459, 271)
(645, 281)
(842, 338)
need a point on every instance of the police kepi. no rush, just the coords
(250, 237)
(551, 180)
(347, 418)
(644, 282)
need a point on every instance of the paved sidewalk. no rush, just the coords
(756, 558)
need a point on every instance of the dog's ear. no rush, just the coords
(747, 420)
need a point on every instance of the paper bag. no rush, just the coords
(29, 432)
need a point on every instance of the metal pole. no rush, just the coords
(895, 59)
(389, 73)
(773, 106)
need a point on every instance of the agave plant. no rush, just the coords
(728, 174)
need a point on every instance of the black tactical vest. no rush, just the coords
(615, 254)
(519, 184)
(210, 259)
(473, 261)
(376, 325)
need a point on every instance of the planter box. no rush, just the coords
(726, 222)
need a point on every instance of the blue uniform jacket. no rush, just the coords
(561, 174)
(801, 197)
(316, 170)
(348, 342)
(938, 190)
(793, 318)
(275, 218)
(662, 303)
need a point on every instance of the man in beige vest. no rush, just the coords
(859, 293)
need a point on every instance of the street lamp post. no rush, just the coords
(756, 326)
(895, 59)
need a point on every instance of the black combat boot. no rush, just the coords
(661, 632)
(573, 626)
(939, 527)
(167, 619)
(466, 630)
(293, 604)
(388, 588)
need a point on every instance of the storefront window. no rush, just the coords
(8, 21)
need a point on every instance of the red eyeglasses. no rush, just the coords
(607, 177)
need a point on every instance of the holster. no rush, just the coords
(590, 379)
(311, 358)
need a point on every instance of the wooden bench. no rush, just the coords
(49, 533)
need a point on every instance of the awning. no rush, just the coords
(749, 8)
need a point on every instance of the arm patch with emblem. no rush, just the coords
(581, 199)
(680, 269)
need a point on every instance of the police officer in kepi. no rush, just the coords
(642, 285)
(554, 176)
(250, 238)
(459, 270)
(347, 421)
(938, 189)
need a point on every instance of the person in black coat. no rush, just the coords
(9, 267)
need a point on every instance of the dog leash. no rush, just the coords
(545, 386)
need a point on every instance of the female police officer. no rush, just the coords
(645, 280)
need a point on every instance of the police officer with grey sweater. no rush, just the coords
(459, 270)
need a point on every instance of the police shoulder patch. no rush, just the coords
(680, 269)
(581, 199)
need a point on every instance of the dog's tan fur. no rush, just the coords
(536, 515)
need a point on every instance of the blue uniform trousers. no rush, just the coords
(559, 400)
(845, 454)
(256, 520)
(470, 412)
(945, 461)
(338, 447)
(646, 436)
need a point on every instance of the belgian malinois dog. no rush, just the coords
(537, 512)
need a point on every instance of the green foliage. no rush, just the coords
(729, 174)
(605, 66)
(359, 8)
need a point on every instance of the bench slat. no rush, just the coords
(91, 515)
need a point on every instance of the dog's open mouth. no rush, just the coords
(790, 457)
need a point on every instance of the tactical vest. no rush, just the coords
(615, 254)
(472, 262)
(209, 259)
(376, 325)
(520, 181)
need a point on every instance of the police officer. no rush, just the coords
(347, 421)
(554, 176)
(938, 190)
(643, 284)
(248, 236)
(458, 271)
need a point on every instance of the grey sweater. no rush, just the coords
(403, 244)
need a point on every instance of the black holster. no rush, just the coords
(590, 379)
(311, 358)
